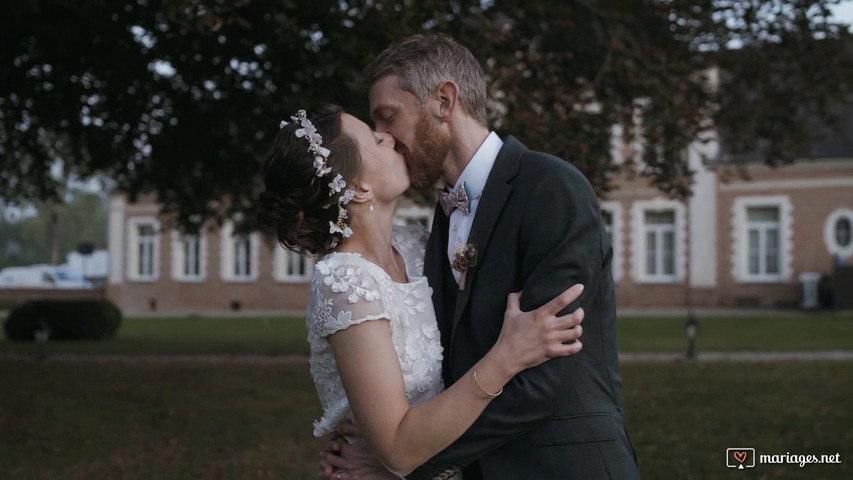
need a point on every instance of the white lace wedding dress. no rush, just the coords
(348, 290)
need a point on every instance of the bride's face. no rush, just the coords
(383, 169)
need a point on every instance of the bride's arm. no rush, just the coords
(403, 436)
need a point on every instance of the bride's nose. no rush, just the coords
(390, 138)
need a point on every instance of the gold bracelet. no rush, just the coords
(491, 395)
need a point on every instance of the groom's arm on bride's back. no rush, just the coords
(560, 244)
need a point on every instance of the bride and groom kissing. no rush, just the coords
(426, 362)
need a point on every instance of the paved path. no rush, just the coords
(627, 357)
(737, 356)
(248, 359)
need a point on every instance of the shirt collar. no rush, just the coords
(477, 171)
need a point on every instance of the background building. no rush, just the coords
(773, 238)
(157, 269)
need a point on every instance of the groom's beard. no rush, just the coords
(427, 155)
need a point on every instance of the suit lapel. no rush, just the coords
(495, 195)
(437, 271)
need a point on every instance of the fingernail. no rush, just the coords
(579, 287)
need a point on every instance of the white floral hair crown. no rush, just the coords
(321, 158)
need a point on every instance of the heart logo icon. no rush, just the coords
(740, 456)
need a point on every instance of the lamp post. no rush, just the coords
(41, 336)
(692, 329)
(691, 326)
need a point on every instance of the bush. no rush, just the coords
(92, 319)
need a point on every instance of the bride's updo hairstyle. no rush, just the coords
(299, 203)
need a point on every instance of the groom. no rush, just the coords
(527, 221)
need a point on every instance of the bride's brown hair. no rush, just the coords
(296, 202)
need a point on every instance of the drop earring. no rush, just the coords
(371, 206)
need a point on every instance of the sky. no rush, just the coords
(844, 12)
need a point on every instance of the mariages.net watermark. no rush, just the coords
(742, 458)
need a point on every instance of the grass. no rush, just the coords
(683, 416)
(232, 420)
(156, 421)
(192, 335)
(764, 332)
(286, 335)
(116, 421)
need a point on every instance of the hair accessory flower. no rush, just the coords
(337, 185)
(464, 258)
(308, 131)
(348, 195)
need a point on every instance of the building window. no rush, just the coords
(239, 255)
(145, 243)
(660, 245)
(838, 233)
(658, 250)
(242, 257)
(762, 239)
(842, 232)
(763, 232)
(143, 249)
(611, 219)
(192, 259)
(189, 257)
(291, 266)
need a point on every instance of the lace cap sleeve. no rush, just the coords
(348, 293)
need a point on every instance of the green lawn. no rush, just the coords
(683, 416)
(286, 335)
(98, 420)
(764, 332)
(87, 421)
(115, 421)
(192, 335)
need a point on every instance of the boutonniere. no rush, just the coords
(464, 258)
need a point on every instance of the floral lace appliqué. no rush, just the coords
(345, 279)
(349, 290)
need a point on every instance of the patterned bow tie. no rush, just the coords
(455, 199)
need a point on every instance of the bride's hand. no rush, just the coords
(342, 460)
(532, 338)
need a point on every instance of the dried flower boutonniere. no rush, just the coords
(464, 258)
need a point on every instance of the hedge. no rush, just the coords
(90, 319)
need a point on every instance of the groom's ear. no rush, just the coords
(447, 95)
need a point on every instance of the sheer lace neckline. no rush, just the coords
(410, 275)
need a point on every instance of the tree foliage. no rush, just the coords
(182, 97)
(54, 231)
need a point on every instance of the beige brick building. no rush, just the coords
(738, 243)
(735, 243)
(154, 269)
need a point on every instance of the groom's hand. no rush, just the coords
(342, 460)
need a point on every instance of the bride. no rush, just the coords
(331, 188)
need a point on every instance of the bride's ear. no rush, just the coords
(363, 194)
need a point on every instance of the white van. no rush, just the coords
(42, 276)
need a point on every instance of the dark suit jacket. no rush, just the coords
(537, 229)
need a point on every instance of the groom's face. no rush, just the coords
(423, 145)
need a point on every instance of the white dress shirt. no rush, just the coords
(475, 175)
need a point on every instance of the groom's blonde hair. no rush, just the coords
(422, 62)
